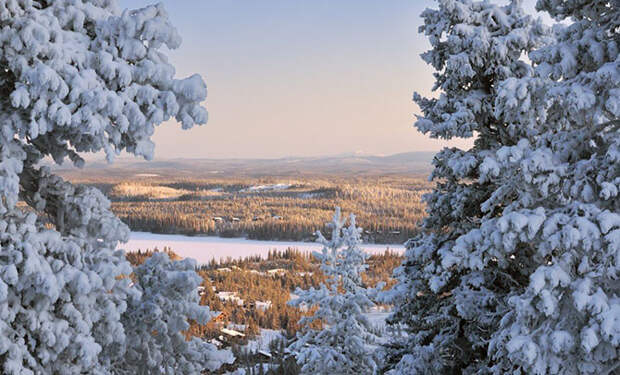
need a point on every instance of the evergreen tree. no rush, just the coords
(344, 344)
(252, 327)
(156, 320)
(450, 298)
(79, 77)
(559, 203)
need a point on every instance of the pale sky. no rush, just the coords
(300, 78)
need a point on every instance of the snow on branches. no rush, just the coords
(76, 77)
(564, 181)
(517, 268)
(85, 77)
(155, 321)
(344, 344)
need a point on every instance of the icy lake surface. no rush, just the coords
(203, 249)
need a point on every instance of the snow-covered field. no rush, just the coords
(203, 249)
(258, 188)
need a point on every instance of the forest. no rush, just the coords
(250, 298)
(249, 278)
(266, 208)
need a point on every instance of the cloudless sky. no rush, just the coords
(300, 78)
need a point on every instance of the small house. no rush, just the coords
(231, 332)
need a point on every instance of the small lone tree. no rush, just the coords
(79, 77)
(342, 346)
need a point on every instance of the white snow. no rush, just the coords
(82, 77)
(262, 342)
(232, 332)
(263, 305)
(258, 188)
(203, 249)
(230, 297)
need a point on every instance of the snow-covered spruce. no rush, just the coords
(517, 271)
(451, 299)
(560, 202)
(78, 77)
(155, 321)
(345, 343)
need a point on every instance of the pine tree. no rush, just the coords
(253, 328)
(79, 77)
(450, 297)
(343, 345)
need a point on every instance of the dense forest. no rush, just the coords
(388, 208)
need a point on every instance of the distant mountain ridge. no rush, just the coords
(410, 163)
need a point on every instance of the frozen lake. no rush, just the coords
(203, 249)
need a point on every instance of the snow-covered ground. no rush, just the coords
(203, 249)
(262, 342)
(258, 188)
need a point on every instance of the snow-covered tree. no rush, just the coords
(559, 200)
(77, 77)
(344, 344)
(451, 297)
(155, 321)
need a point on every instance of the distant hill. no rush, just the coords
(411, 163)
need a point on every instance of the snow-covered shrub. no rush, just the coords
(75, 77)
(344, 345)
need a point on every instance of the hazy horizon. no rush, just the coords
(288, 78)
(128, 157)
